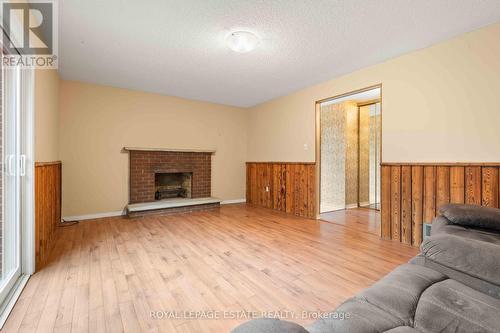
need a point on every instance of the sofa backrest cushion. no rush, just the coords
(472, 216)
(441, 225)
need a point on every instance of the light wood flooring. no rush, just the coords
(108, 275)
(361, 219)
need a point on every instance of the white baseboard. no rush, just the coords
(233, 201)
(93, 216)
(351, 206)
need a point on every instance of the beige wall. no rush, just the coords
(440, 104)
(46, 115)
(96, 122)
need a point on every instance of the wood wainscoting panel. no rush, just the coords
(406, 204)
(396, 202)
(385, 198)
(412, 193)
(47, 208)
(490, 187)
(417, 204)
(442, 185)
(287, 187)
(457, 184)
(473, 185)
(429, 192)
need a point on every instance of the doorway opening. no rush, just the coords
(350, 151)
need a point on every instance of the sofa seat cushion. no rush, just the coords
(399, 291)
(402, 329)
(268, 325)
(389, 303)
(361, 317)
(472, 216)
(476, 258)
(450, 306)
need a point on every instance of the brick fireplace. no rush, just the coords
(157, 175)
(167, 181)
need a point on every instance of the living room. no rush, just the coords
(249, 166)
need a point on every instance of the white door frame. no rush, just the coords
(28, 191)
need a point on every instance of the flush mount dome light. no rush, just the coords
(242, 41)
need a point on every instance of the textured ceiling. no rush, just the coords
(176, 47)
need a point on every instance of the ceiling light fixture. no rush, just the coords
(242, 41)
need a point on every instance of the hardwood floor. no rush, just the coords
(108, 275)
(360, 219)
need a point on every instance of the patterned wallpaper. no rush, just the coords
(333, 121)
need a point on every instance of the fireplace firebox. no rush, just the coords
(173, 185)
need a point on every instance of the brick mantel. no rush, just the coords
(144, 164)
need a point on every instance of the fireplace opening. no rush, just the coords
(173, 185)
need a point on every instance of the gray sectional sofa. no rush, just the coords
(453, 285)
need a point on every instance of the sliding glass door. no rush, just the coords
(11, 181)
(369, 155)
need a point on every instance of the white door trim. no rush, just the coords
(28, 191)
